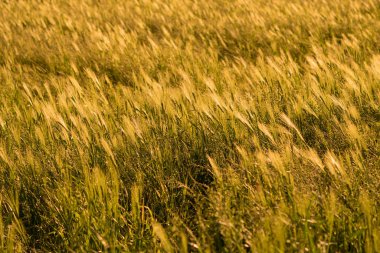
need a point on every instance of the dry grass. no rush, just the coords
(186, 125)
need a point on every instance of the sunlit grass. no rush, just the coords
(175, 126)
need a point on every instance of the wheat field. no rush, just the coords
(190, 126)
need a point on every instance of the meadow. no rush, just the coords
(190, 126)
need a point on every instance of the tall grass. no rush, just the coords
(190, 126)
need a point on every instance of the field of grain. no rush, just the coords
(190, 126)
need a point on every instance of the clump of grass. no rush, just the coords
(175, 126)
